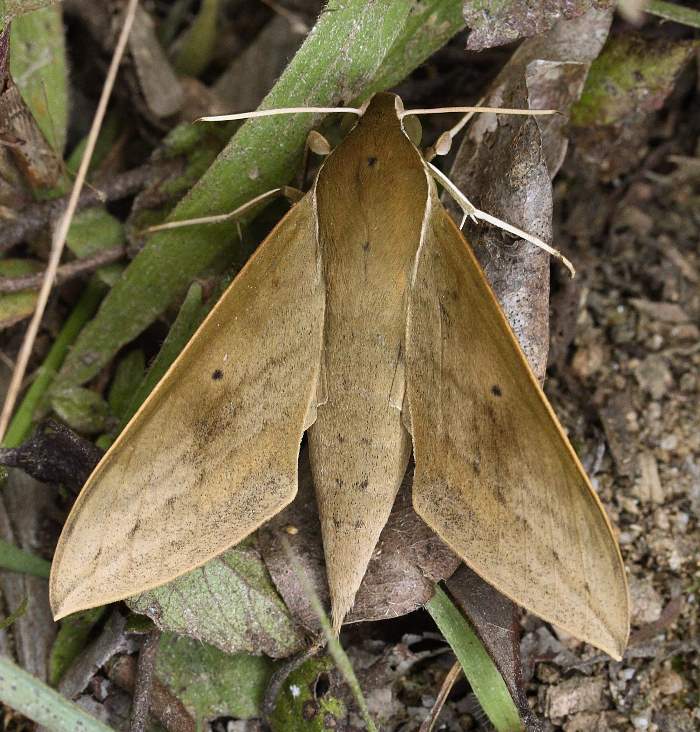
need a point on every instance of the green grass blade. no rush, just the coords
(21, 424)
(17, 613)
(341, 58)
(676, 13)
(17, 560)
(483, 676)
(37, 701)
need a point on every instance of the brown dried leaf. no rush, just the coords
(23, 505)
(505, 21)
(505, 163)
(253, 73)
(407, 562)
(160, 86)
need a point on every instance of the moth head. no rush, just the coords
(383, 103)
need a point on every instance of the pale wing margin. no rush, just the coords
(495, 476)
(212, 454)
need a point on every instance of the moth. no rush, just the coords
(364, 320)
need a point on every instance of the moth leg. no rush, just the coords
(471, 211)
(317, 144)
(443, 144)
(289, 192)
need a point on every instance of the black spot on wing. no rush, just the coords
(217, 375)
(496, 390)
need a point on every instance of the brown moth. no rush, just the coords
(365, 320)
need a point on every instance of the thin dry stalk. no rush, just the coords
(65, 272)
(452, 676)
(61, 231)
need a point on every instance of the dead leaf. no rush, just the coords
(504, 166)
(494, 24)
(54, 454)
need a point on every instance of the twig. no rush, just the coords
(452, 676)
(165, 707)
(144, 682)
(64, 273)
(112, 640)
(61, 231)
(36, 216)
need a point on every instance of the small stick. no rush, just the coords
(452, 675)
(144, 682)
(165, 706)
(34, 217)
(64, 273)
(61, 232)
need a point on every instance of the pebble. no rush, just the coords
(654, 376)
(669, 682)
(646, 601)
(641, 721)
(575, 695)
(648, 485)
(670, 442)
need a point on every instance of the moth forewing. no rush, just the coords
(495, 476)
(212, 453)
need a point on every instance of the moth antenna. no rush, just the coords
(471, 211)
(281, 110)
(293, 194)
(478, 108)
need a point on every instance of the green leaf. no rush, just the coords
(71, 639)
(105, 141)
(17, 560)
(127, 377)
(38, 67)
(341, 58)
(37, 701)
(631, 76)
(16, 306)
(93, 230)
(481, 672)
(211, 683)
(230, 603)
(299, 708)
(672, 11)
(83, 410)
(196, 47)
